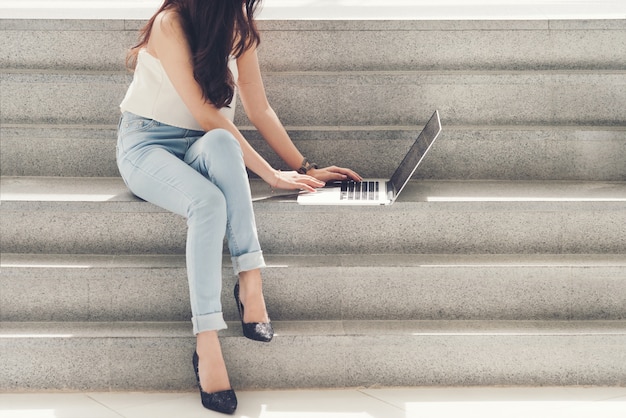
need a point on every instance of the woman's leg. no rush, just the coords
(150, 162)
(163, 179)
(217, 155)
(211, 366)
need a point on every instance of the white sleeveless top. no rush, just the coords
(152, 95)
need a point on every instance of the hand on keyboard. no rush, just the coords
(334, 173)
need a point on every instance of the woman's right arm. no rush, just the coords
(169, 44)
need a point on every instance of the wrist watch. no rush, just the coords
(306, 166)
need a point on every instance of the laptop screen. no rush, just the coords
(416, 154)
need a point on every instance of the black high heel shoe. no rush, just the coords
(257, 331)
(224, 401)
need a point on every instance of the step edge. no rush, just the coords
(10, 261)
(326, 328)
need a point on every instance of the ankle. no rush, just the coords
(250, 285)
(251, 296)
(211, 365)
(251, 278)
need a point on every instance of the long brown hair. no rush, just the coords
(215, 30)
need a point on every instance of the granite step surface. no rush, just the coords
(319, 45)
(355, 98)
(541, 10)
(67, 287)
(100, 216)
(121, 356)
(501, 264)
(540, 152)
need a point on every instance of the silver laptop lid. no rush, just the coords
(416, 154)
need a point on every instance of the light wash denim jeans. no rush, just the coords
(202, 177)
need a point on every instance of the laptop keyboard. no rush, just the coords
(366, 190)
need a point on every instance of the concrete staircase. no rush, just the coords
(502, 264)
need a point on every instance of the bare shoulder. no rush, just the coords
(168, 22)
(167, 33)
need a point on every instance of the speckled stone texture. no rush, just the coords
(326, 45)
(70, 215)
(335, 99)
(307, 288)
(462, 152)
(156, 356)
(502, 263)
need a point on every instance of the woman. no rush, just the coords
(179, 149)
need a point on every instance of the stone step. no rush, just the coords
(323, 354)
(484, 282)
(100, 216)
(319, 10)
(70, 288)
(595, 153)
(320, 45)
(350, 98)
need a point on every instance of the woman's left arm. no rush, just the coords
(263, 117)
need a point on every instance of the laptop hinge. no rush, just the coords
(390, 190)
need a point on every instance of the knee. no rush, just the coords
(216, 153)
(220, 153)
(221, 142)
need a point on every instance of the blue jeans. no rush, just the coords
(202, 177)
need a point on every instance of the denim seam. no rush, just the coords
(230, 235)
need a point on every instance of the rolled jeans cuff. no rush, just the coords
(208, 322)
(247, 262)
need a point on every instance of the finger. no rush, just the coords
(293, 185)
(351, 174)
(304, 186)
(303, 182)
(356, 177)
(312, 182)
(336, 176)
(316, 182)
(346, 172)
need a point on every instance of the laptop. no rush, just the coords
(374, 192)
